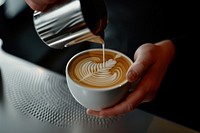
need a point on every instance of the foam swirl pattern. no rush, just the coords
(91, 72)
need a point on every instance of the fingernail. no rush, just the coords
(132, 76)
(88, 111)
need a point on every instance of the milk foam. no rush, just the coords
(98, 74)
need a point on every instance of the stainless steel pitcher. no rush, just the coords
(71, 22)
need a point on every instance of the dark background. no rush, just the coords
(131, 23)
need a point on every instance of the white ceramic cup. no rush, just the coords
(98, 98)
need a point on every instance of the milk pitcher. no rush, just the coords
(71, 22)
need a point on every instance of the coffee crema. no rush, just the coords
(88, 69)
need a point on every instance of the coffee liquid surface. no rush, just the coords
(93, 71)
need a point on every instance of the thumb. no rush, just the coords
(143, 60)
(135, 72)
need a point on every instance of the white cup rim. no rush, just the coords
(97, 89)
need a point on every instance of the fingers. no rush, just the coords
(135, 71)
(39, 5)
(131, 102)
(143, 60)
(34, 5)
(143, 93)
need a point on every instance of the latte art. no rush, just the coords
(89, 69)
(90, 72)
